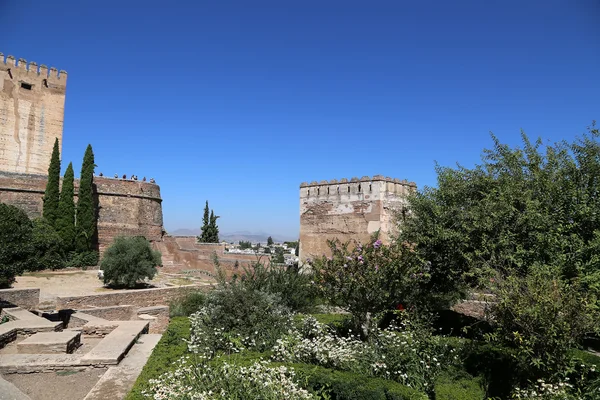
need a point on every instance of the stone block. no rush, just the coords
(50, 343)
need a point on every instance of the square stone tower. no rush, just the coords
(32, 104)
(349, 210)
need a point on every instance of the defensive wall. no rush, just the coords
(32, 102)
(185, 254)
(125, 207)
(348, 210)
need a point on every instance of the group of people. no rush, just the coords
(133, 177)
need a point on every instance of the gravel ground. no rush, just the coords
(63, 385)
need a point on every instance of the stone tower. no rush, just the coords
(32, 103)
(349, 210)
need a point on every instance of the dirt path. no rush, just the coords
(63, 385)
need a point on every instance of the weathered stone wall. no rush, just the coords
(139, 298)
(182, 253)
(113, 313)
(32, 105)
(348, 210)
(126, 207)
(24, 298)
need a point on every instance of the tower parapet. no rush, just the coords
(352, 209)
(32, 100)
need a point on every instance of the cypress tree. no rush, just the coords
(213, 228)
(51, 196)
(203, 238)
(65, 223)
(86, 221)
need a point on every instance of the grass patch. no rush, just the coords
(169, 349)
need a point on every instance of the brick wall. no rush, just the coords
(24, 298)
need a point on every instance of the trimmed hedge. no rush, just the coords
(458, 385)
(169, 349)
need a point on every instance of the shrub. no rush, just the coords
(236, 318)
(169, 349)
(294, 288)
(48, 247)
(542, 317)
(368, 279)
(16, 232)
(128, 261)
(458, 385)
(82, 260)
(187, 304)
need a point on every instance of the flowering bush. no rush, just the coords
(368, 279)
(236, 318)
(407, 353)
(224, 381)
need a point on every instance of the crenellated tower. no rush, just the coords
(32, 103)
(349, 210)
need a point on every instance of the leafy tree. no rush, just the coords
(245, 245)
(210, 230)
(520, 208)
(65, 223)
(87, 218)
(128, 261)
(269, 241)
(279, 258)
(48, 249)
(369, 279)
(297, 251)
(15, 243)
(51, 195)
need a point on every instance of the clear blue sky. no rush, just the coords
(238, 102)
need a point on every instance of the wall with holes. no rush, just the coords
(32, 102)
(349, 210)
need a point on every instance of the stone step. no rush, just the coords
(118, 380)
(116, 344)
(50, 343)
(25, 363)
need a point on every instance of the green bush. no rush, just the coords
(82, 260)
(236, 318)
(169, 349)
(294, 288)
(343, 385)
(48, 247)
(458, 385)
(187, 304)
(128, 261)
(542, 317)
(16, 250)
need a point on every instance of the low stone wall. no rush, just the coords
(139, 298)
(24, 298)
(158, 316)
(112, 313)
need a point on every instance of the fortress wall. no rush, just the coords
(125, 207)
(32, 101)
(348, 210)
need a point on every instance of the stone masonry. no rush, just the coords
(349, 210)
(32, 102)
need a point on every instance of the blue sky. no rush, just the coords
(239, 102)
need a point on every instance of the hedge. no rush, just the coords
(169, 349)
(458, 385)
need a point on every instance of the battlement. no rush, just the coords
(32, 73)
(369, 188)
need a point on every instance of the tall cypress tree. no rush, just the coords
(204, 234)
(86, 221)
(65, 222)
(213, 229)
(51, 196)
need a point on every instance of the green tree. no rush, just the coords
(65, 223)
(15, 243)
(51, 195)
(269, 241)
(48, 248)
(279, 258)
(86, 222)
(210, 230)
(520, 208)
(245, 245)
(128, 261)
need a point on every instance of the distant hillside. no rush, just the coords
(235, 237)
